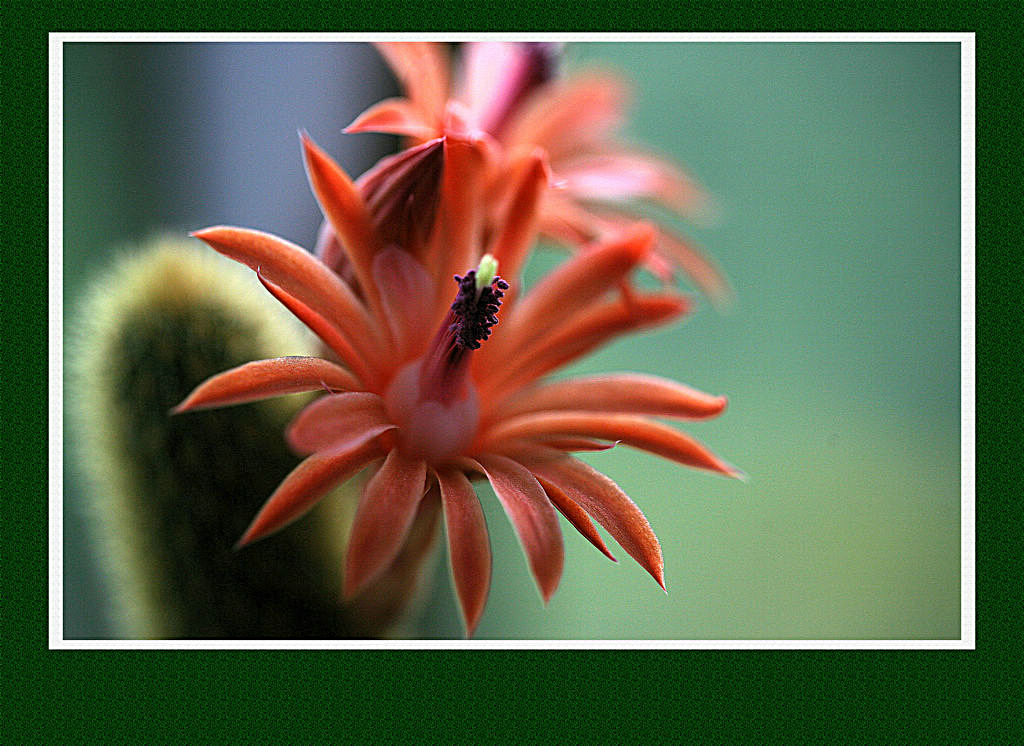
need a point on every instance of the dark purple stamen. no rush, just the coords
(468, 322)
(475, 312)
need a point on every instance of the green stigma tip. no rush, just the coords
(486, 272)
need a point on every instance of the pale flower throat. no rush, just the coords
(432, 400)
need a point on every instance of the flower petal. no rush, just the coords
(573, 286)
(395, 116)
(343, 206)
(609, 505)
(637, 432)
(324, 329)
(630, 393)
(406, 290)
(575, 515)
(301, 276)
(565, 221)
(698, 267)
(573, 338)
(263, 379)
(564, 118)
(385, 513)
(617, 175)
(380, 602)
(469, 549)
(402, 193)
(306, 484)
(336, 419)
(498, 76)
(518, 229)
(456, 245)
(422, 69)
(532, 516)
(577, 444)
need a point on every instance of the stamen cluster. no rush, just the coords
(475, 310)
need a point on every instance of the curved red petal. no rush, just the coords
(469, 549)
(385, 513)
(422, 69)
(343, 206)
(533, 517)
(567, 222)
(637, 432)
(518, 230)
(381, 602)
(306, 484)
(302, 276)
(573, 338)
(619, 175)
(262, 379)
(576, 284)
(698, 267)
(609, 505)
(574, 114)
(560, 443)
(455, 247)
(336, 419)
(406, 293)
(328, 332)
(575, 515)
(628, 393)
(395, 116)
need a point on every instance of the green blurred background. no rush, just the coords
(836, 171)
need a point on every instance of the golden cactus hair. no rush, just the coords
(168, 496)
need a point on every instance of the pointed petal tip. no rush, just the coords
(471, 625)
(550, 585)
(245, 540)
(723, 299)
(735, 472)
(188, 404)
(635, 241)
(394, 116)
(310, 150)
(306, 142)
(539, 161)
(215, 233)
(253, 533)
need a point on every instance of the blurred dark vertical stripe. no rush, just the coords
(177, 136)
(180, 135)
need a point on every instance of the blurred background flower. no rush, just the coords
(836, 167)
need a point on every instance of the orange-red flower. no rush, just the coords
(423, 394)
(508, 95)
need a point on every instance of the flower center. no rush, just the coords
(432, 399)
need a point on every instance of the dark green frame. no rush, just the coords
(609, 696)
